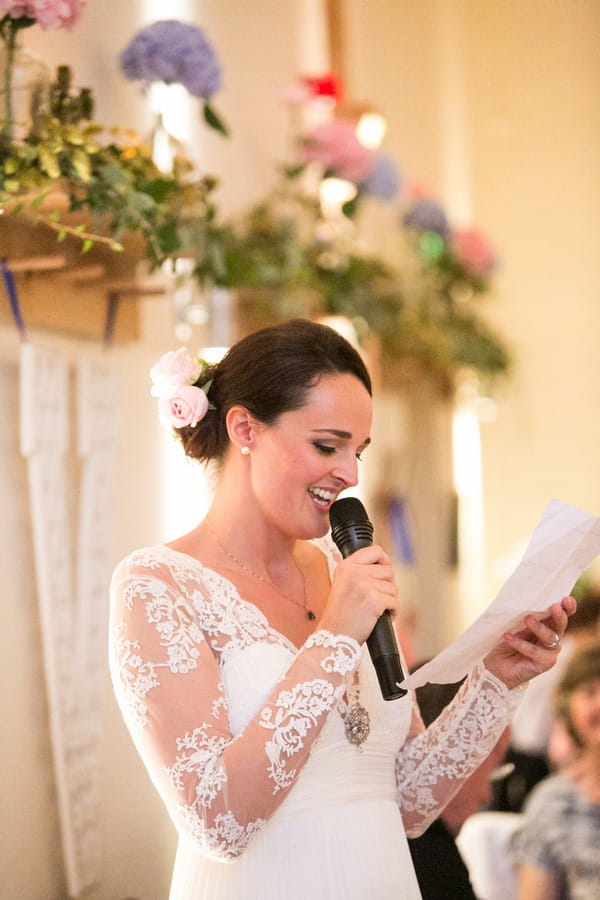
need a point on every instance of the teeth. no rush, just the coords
(322, 494)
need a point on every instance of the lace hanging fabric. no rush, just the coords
(71, 587)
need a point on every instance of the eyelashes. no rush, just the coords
(324, 449)
(328, 450)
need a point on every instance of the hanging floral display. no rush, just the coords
(300, 249)
(422, 300)
(16, 15)
(176, 53)
(108, 176)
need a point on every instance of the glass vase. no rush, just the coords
(24, 92)
(165, 148)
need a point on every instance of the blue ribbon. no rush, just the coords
(399, 530)
(13, 297)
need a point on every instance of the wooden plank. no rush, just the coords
(62, 290)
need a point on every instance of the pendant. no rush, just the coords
(310, 615)
(357, 724)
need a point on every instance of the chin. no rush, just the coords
(321, 532)
(318, 527)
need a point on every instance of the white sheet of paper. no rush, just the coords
(562, 546)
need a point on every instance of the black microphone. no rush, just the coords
(351, 530)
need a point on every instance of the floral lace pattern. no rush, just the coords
(170, 636)
(429, 764)
(177, 628)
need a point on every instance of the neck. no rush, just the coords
(287, 580)
(249, 539)
(591, 757)
(241, 525)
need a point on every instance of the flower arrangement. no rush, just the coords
(336, 147)
(176, 53)
(421, 304)
(180, 401)
(47, 13)
(384, 179)
(107, 176)
(15, 16)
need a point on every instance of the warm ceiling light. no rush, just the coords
(371, 126)
(371, 129)
(333, 193)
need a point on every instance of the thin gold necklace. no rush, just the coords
(309, 613)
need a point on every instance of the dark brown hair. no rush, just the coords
(269, 372)
(583, 666)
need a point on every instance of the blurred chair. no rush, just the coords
(484, 844)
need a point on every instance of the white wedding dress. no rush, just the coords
(243, 736)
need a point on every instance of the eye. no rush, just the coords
(325, 449)
(361, 450)
(329, 450)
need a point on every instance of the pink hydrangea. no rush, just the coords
(339, 151)
(474, 251)
(173, 370)
(47, 13)
(185, 406)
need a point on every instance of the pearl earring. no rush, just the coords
(245, 451)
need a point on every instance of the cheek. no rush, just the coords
(300, 465)
(579, 713)
(277, 473)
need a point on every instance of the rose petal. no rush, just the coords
(175, 368)
(186, 406)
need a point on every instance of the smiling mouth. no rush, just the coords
(322, 497)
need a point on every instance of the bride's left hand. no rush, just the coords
(524, 654)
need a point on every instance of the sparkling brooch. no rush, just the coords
(357, 724)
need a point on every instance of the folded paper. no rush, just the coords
(562, 546)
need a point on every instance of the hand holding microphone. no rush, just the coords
(351, 530)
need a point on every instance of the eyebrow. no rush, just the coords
(345, 435)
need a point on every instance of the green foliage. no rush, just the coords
(116, 185)
(424, 305)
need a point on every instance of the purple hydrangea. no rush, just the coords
(425, 215)
(384, 180)
(175, 53)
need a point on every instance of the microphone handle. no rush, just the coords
(382, 644)
(383, 649)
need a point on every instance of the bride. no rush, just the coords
(237, 651)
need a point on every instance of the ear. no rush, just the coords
(241, 426)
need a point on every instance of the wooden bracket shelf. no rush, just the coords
(62, 290)
(36, 264)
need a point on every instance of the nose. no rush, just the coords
(346, 468)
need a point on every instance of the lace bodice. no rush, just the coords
(231, 718)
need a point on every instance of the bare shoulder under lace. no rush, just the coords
(175, 628)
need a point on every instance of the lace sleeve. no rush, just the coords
(218, 788)
(434, 762)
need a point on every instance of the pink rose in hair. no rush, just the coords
(173, 370)
(186, 406)
(47, 13)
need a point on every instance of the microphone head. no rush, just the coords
(350, 525)
(347, 511)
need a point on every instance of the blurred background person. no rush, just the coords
(556, 849)
(540, 743)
